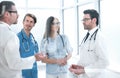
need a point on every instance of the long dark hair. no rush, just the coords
(49, 23)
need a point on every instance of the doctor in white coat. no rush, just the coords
(11, 63)
(93, 59)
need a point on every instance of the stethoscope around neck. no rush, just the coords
(92, 36)
(26, 46)
(47, 42)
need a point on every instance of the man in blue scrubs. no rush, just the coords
(28, 44)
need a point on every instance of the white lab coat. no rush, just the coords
(95, 60)
(10, 61)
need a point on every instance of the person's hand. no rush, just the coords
(76, 69)
(39, 56)
(62, 61)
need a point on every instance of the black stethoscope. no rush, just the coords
(26, 46)
(92, 36)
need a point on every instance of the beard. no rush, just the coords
(15, 22)
(28, 28)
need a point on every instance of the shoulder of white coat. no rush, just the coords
(100, 35)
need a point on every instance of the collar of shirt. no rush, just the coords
(93, 30)
(1, 22)
(25, 36)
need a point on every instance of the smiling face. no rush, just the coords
(28, 23)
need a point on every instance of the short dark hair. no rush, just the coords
(32, 16)
(93, 14)
(5, 6)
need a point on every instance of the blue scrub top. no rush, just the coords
(28, 47)
(56, 48)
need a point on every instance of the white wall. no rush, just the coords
(110, 25)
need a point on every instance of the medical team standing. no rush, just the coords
(93, 49)
(18, 56)
(11, 62)
(28, 44)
